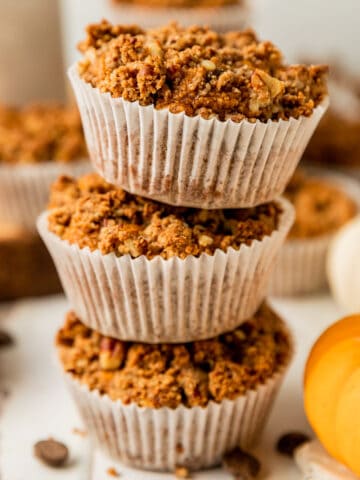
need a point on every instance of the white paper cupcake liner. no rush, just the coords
(164, 438)
(24, 189)
(170, 300)
(301, 264)
(190, 161)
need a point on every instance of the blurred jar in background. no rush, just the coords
(220, 15)
(30, 51)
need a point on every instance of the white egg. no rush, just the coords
(343, 266)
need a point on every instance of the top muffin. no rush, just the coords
(92, 213)
(200, 72)
(41, 133)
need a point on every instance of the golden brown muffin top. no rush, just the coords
(200, 72)
(179, 3)
(92, 213)
(169, 375)
(320, 206)
(40, 133)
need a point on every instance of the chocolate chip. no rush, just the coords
(6, 340)
(241, 465)
(51, 452)
(288, 443)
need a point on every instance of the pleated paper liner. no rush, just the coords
(171, 300)
(162, 439)
(301, 264)
(190, 161)
(24, 189)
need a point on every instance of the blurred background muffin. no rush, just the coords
(323, 202)
(220, 15)
(336, 143)
(37, 143)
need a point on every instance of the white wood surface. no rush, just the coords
(38, 405)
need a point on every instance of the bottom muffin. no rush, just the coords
(323, 203)
(168, 405)
(26, 267)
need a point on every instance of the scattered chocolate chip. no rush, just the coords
(6, 340)
(241, 465)
(288, 443)
(51, 452)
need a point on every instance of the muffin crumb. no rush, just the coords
(112, 472)
(182, 472)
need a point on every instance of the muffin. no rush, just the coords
(194, 118)
(323, 204)
(162, 406)
(37, 143)
(140, 270)
(336, 142)
(26, 266)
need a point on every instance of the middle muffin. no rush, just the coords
(140, 270)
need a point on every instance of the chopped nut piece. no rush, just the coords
(208, 65)
(154, 48)
(205, 241)
(111, 354)
(275, 86)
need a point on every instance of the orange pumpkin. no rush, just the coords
(332, 391)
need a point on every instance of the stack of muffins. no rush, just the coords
(37, 143)
(170, 352)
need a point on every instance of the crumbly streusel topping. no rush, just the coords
(168, 375)
(93, 213)
(179, 3)
(197, 71)
(320, 207)
(40, 133)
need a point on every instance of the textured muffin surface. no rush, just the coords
(167, 375)
(40, 133)
(92, 213)
(321, 207)
(200, 72)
